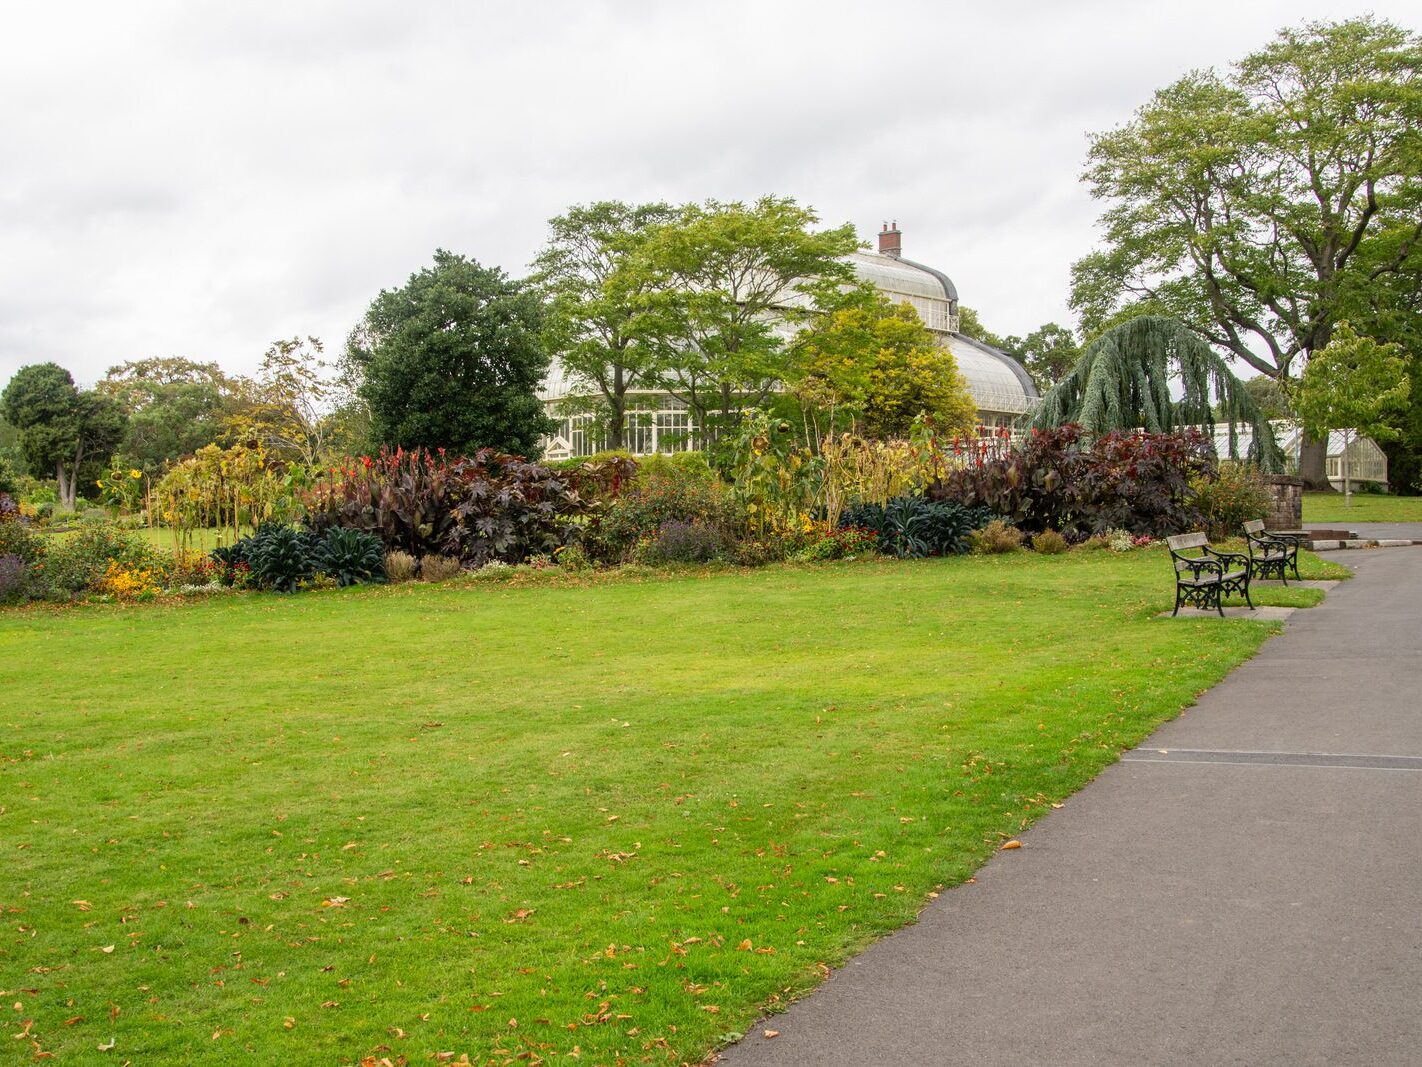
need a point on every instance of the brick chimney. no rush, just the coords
(890, 240)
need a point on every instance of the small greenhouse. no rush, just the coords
(1366, 461)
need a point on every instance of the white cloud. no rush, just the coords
(181, 178)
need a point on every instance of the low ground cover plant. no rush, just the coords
(996, 538)
(1049, 543)
(439, 568)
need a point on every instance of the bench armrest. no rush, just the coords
(1269, 541)
(1229, 557)
(1198, 564)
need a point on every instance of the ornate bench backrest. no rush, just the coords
(1254, 527)
(1181, 543)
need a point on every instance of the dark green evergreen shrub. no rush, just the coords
(912, 527)
(350, 557)
(280, 557)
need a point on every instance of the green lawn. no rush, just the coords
(616, 819)
(1329, 507)
(203, 540)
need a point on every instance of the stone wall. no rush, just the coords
(1285, 502)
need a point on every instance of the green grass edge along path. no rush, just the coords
(616, 819)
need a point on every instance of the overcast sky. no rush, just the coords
(199, 179)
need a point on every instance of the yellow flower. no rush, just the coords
(135, 474)
(99, 483)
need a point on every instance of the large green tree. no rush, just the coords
(1047, 353)
(877, 363)
(61, 429)
(453, 359)
(719, 285)
(1123, 382)
(1265, 205)
(1357, 385)
(174, 405)
(593, 303)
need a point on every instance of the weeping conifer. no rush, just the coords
(1122, 382)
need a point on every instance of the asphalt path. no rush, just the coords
(1245, 888)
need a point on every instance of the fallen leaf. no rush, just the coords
(109, 1046)
(107, 949)
(744, 946)
(772, 1033)
(82, 905)
(335, 902)
(1014, 843)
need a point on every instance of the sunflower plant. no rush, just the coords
(121, 487)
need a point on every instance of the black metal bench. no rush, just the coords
(1270, 553)
(1203, 580)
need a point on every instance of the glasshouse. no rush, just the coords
(659, 422)
(1367, 462)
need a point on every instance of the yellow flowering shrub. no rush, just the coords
(124, 581)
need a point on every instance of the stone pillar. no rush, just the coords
(1285, 502)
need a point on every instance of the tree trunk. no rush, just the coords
(66, 486)
(617, 402)
(616, 426)
(1313, 464)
